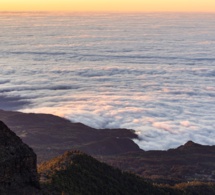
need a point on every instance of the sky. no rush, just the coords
(109, 5)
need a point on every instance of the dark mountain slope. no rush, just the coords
(18, 171)
(51, 135)
(77, 173)
(189, 162)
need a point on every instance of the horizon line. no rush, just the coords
(114, 12)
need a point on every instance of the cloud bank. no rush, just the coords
(144, 72)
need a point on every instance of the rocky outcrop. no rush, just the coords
(18, 171)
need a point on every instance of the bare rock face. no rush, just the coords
(18, 171)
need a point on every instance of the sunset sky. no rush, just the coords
(109, 5)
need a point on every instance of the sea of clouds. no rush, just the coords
(154, 73)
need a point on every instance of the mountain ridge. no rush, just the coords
(75, 172)
(51, 136)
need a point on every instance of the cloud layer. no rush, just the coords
(146, 72)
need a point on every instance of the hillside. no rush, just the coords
(51, 136)
(77, 173)
(189, 162)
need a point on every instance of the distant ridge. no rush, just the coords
(189, 145)
(51, 135)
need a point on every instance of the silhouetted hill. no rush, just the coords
(18, 171)
(77, 173)
(189, 162)
(190, 145)
(51, 135)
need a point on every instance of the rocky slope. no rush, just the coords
(18, 171)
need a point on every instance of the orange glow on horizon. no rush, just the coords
(109, 5)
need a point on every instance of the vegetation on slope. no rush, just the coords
(187, 163)
(77, 173)
(196, 188)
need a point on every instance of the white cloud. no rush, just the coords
(107, 76)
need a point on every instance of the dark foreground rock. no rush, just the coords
(18, 172)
